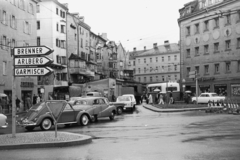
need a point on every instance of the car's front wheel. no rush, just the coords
(119, 110)
(84, 120)
(112, 116)
(46, 124)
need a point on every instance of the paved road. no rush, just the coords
(147, 135)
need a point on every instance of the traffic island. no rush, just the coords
(42, 140)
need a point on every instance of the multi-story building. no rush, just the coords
(51, 31)
(160, 64)
(17, 29)
(210, 45)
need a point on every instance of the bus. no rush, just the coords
(165, 88)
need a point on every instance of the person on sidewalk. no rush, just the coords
(150, 99)
(18, 104)
(161, 99)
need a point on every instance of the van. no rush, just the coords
(94, 94)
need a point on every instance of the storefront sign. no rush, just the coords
(27, 84)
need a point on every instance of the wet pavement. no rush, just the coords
(147, 135)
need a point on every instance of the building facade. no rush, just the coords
(159, 64)
(17, 29)
(210, 45)
(51, 31)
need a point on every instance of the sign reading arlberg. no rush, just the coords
(32, 61)
(32, 51)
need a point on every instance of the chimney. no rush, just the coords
(134, 49)
(154, 45)
(166, 42)
(144, 48)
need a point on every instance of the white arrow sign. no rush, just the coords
(32, 51)
(32, 61)
(40, 71)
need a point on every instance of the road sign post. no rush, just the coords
(193, 74)
(28, 61)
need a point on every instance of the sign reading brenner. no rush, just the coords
(32, 51)
(32, 61)
(40, 71)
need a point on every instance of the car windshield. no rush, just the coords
(74, 98)
(90, 94)
(214, 95)
(38, 106)
(123, 98)
(81, 102)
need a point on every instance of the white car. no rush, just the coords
(3, 121)
(206, 97)
(127, 100)
(132, 98)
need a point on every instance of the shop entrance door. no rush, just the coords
(25, 94)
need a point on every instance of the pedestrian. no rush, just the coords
(28, 103)
(18, 104)
(38, 99)
(150, 100)
(171, 98)
(161, 99)
(34, 99)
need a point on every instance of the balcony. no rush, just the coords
(77, 71)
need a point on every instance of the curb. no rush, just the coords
(150, 107)
(80, 141)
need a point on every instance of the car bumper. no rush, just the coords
(26, 124)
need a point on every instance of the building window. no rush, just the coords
(38, 25)
(145, 79)
(81, 43)
(188, 52)
(57, 11)
(197, 69)
(144, 60)
(138, 60)
(133, 63)
(163, 69)
(150, 79)
(169, 58)
(144, 70)
(150, 60)
(206, 69)
(56, 42)
(138, 70)
(196, 51)
(228, 66)
(27, 28)
(188, 70)
(31, 8)
(156, 68)
(175, 57)
(4, 17)
(216, 70)
(228, 19)
(4, 68)
(156, 59)
(169, 78)
(238, 43)
(13, 44)
(163, 78)
(238, 16)
(228, 45)
(206, 49)
(38, 9)
(38, 41)
(175, 67)
(21, 4)
(57, 27)
(238, 66)
(197, 28)
(206, 25)
(216, 22)
(188, 31)
(156, 78)
(62, 28)
(216, 47)
(162, 59)
(13, 22)
(139, 79)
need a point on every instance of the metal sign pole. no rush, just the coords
(13, 101)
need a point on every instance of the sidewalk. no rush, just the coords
(155, 109)
(42, 140)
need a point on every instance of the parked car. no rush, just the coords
(3, 121)
(206, 97)
(125, 102)
(81, 112)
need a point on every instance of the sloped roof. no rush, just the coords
(161, 49)
(133, 54)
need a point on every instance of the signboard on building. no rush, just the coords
(32, 61)
(192, 74)
(37, 71)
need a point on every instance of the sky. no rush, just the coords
(134, 23)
